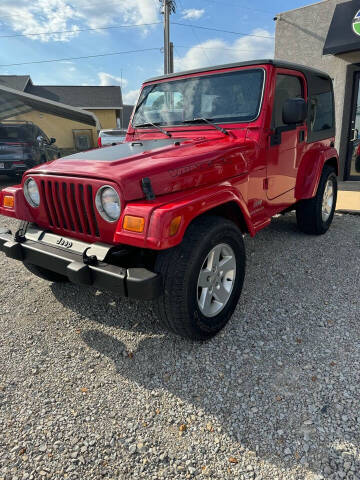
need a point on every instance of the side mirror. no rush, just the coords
(294, 111)
(52, 140)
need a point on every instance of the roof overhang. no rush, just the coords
(14, 102)
(344, 32)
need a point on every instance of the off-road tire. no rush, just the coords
(178, 308)
(46, 274)
(309, 212)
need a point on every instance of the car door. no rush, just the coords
(283, 155)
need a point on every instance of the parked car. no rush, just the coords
(24, 145)
(212, 154)
(111, 136)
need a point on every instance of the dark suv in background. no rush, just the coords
(24, 145)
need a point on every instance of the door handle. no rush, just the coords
(356, 135)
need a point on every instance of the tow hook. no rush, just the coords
(19, 236)
(91, 260)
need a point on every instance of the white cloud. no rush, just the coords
(193, 13)
(106, 79)
(130, 97)
(26, 17)
(217, 51)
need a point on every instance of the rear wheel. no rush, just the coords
(314, 216)
(203, 278)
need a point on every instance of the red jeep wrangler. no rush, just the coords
(210, 155)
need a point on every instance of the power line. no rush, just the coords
(80, 58)
(192, 26)
(78, 30)
(194, 33)
(214, 48)
(114, 2)
(223, 31)
(118, 53)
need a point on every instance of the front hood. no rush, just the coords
(171, 164)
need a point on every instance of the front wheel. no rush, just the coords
(314, 216)
(203, 278)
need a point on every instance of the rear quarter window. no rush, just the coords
(321, 110)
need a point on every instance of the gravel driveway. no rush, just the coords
(91, 387)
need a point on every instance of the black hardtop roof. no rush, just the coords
(307, 71)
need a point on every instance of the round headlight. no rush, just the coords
(31, 192)
(108, 203)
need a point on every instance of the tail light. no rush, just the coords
(99, 142)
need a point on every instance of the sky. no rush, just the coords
(99, 27)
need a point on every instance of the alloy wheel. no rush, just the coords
(216, 280)
(328, 200)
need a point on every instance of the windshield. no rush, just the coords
(225, 97)
(15, 133)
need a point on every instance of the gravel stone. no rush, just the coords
(76, 404)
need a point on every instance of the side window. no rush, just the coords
(321, 111)
(287, 86)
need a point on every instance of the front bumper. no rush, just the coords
(43, 249)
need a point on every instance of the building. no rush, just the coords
(105, 102)
(326, 35)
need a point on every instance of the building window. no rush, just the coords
(287, 86)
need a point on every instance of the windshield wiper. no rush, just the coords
(209, 121)
(149, 124)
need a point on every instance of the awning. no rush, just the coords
(344, 32)
(14, 102)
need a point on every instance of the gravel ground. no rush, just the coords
(91, 387)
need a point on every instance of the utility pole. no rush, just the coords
(168, 7)
(171, 57)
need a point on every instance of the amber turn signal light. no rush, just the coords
(174, 226)
(9, 201)
(134, 224)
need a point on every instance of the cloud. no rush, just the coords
(106, 79)
(130, 97)
(193, 13)
(217, 51)
(27, 17)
